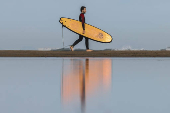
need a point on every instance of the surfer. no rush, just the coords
(82, 19)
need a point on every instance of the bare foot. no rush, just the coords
(71, 47)
(88, 50)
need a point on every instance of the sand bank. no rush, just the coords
(35, 53)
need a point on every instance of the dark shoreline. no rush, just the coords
(102, 53)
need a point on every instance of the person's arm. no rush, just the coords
(81, 18)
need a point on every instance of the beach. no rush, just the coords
(96, 53)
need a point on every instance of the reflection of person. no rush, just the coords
(82, 19)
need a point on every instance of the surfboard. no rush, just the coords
(91, 32)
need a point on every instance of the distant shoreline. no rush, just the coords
(96, 53)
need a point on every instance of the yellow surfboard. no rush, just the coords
(91, 32)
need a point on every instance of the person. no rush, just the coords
(81, 19)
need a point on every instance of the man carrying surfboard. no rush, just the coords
(81, 19)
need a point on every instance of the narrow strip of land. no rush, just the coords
(35, 53)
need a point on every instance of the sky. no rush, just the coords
(33, 24)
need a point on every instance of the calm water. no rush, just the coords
(84, 85)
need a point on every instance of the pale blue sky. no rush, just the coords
(33, 24)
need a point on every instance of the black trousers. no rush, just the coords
(80, 39)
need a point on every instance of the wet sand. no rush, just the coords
(35, 53)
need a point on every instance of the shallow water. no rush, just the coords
(84, 85)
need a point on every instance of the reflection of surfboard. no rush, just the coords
(84, 77)
(90, 31)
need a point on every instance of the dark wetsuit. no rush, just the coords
(82, 19)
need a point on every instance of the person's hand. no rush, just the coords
(83, 31)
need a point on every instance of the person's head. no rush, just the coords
(83, 9)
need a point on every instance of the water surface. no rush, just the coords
(84, 85)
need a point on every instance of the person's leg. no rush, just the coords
(87, 44)
(76, 42)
